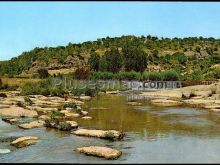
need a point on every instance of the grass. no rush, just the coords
(18, 81)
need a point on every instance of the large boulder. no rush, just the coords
(109, 134)
(105, 152)
(33, 124)
(25, 141)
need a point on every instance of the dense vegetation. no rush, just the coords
(191, 58)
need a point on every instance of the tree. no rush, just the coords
(113, 60)
(180, 57)
(43, 73)
(134, 59)
(94, 60)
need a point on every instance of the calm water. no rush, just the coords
(153, 134)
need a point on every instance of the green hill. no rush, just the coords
(192, 56)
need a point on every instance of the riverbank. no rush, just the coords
(202, 96)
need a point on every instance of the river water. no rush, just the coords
(153, 135)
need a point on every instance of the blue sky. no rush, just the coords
(25, 25)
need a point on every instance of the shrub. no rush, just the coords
(28, 101)
(79, 110)
(82, 73)
(55, 114)
(109, 135)
(64, 126)
(43, 73)
(70, 105)
(170, 75)
(154, 76)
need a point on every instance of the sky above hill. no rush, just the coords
(25, 25)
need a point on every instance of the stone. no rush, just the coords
(105, 152)
(33, 124)
(4, 151)
(112, 92)
(85, 98)
(73, 124)
(109, 134)
(165, 102)
(25, 141)
(134, 103)
(87, 118)
(10, 120)
(15, 111)
(84, 113)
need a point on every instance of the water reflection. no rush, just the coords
(148, 121)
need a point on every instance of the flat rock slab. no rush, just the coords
(73, 124)
(112, 92)
(44, 117)
(86, 98)
(87, 118)
(25, 141)
(134, 103)
(15, 111)
(33, 124)
(110, 134)
(4, 106)
(105, 152)
(4, 151)
(165, 102)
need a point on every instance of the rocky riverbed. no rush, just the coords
(202, 96)
(39, 127)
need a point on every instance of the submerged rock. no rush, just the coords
(110, 134)
(25, 141)
(105, 152)
(33, 124)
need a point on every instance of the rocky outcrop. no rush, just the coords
(33, 124)
(110, 134)
(25, 141)
(105, 152)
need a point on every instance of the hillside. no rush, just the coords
(199, 55)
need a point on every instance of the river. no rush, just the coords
(153, 135)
